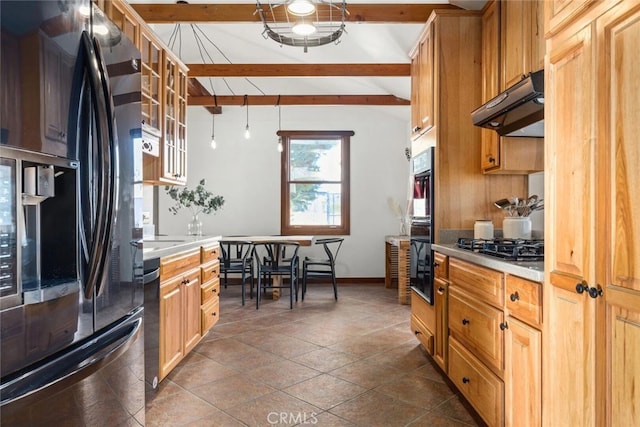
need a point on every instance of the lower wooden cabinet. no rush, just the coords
(481, 387)
(523, 374)
(423, 321)
(189, 305)
(485, 332)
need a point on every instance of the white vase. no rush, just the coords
(194, 227)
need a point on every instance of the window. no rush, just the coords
(315, 182)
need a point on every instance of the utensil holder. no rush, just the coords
(516, 228)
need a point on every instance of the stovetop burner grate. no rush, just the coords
(508, 249)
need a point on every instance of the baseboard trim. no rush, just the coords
(341, 280)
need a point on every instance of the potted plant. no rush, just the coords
(198, 200)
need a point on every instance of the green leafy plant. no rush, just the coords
(197, 200)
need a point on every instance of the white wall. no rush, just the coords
(247, 174)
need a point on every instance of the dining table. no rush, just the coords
(301, 240)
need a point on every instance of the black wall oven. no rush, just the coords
(422, 227)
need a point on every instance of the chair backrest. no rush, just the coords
(235, 250)
(331, 247)
(276, 253)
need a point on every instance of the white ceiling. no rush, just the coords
(244, 44)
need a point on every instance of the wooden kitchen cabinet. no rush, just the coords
(179, 308)
(151, 91)
(210, 288)
(123, 15)
(457, 91)
(422, 79)
(523, 352)
(423, 321)
(522, 37)
(593, 286)
(510, 48)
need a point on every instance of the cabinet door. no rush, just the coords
(491, 79)
(440, 294)
(191, 303)
(121, 14)
(171, 330)
(415, 94)
(151, 57)
(569, 317)
(523, 374)
(618, 45)
(426, 86)
(181, 124)
(559, 12)
(515, 30)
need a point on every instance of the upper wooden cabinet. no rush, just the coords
(592, 226)
(163, 96)
(522, 48)
(512, 46)
(174, 151)
(422, 79)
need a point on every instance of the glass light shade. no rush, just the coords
(303, 29)
(247, 132)
(301, 7)
(213, 142)
(280, 147)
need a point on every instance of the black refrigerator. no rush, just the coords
(71, 269)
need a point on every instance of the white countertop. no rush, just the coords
(162, 246)
(526, 269)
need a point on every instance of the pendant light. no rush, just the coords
(247, 132)
(280, 146)
(213, 123)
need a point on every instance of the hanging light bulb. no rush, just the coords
(247, 132)
(213, 122)
(280, 146)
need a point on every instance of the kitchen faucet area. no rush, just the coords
(294, 212)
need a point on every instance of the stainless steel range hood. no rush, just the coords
(518, 111)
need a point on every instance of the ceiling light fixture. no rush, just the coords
(247, 132)
(303, 23)
(301, 7)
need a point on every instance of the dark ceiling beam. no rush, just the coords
(163, 13)
(298, 70)
(195, 88)
(254, 100)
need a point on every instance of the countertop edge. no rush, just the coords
(533, 271)
(174, 247)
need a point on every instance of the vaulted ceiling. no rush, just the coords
(227, 54)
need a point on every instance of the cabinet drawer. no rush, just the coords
(210, 271)
(209, 252)
(176, 264)
(479, 385)
(483, 282)
(441, 265)
(210, 314)
(477, 325)
(424, 335)
(423, 311)
(209, 290)
(524, 299)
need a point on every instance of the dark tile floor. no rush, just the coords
(353, 362)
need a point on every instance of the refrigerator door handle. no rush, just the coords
(99, 187)
(77, 363)
(110, 160)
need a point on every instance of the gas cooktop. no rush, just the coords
(507, 249)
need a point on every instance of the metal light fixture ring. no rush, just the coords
(279, 23)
